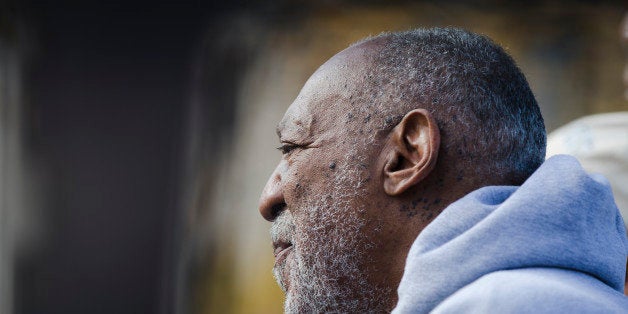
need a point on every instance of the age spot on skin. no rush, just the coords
(419, 200)
(298, 189)
(405, 209)
(415, 203)
(428, 216)
(440, 182)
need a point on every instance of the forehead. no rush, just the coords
(323, 97)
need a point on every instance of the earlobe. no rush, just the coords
(412, 151)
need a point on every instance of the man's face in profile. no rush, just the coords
(330, 243)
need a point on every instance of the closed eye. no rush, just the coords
(286, 148)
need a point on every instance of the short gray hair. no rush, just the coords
(472, 87)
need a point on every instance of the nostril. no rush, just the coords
(276, 210)
(272, 202)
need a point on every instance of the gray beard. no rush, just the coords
(329, 262)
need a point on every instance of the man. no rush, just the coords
(402, 157)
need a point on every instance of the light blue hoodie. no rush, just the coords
(557, 244)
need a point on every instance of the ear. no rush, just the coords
(412, 151)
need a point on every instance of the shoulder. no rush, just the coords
(535, 290)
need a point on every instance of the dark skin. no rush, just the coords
(407, 183)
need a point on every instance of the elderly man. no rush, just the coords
(411, 176)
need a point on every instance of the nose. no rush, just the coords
(272, 202)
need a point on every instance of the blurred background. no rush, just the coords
(136, 136)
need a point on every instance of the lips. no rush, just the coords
(281, 250)
(281, 234)
(281, 269)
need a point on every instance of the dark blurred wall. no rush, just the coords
(107, 93)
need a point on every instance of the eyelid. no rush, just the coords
(287, 147)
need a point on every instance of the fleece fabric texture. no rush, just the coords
(556, 244)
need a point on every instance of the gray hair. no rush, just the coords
(486, 112)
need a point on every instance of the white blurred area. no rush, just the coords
(20, 181)
(600, 143)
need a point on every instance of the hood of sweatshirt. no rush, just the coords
(561, 217)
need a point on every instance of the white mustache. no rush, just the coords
(282, 228)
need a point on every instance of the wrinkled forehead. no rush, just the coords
(324, 96)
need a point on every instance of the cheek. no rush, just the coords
(299, 189)
(308, 179)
